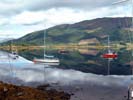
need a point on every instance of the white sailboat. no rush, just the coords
(48, 59)
(14, 53)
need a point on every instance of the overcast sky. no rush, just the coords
(19, 17)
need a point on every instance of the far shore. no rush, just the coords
(63, 46)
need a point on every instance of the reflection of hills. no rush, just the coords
(88, 60)
(88, 52)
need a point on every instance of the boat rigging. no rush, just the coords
(48, 59)
(110, 54)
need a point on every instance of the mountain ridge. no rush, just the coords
(97, 28)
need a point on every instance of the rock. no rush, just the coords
(20, 93)
(13, 92)
(5, 89)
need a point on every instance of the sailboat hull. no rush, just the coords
(13, 55)
(46, 61)
(109, 56)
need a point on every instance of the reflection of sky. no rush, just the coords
(29, 72)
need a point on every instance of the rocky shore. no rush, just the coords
(13, 92)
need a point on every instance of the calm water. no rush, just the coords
(88, 60)
(74, 75)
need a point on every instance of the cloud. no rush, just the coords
(17, 6)
(3, 21)
(73, 4)
(10, 7)
(21, 17)
(63, 15)
(27, 18)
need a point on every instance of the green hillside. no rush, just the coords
(117, 28)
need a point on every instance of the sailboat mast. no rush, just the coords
(44, 41)
(11, 46)
(132, 13)
(132, 36)
(108, 44)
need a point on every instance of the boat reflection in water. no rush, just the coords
(48, 60)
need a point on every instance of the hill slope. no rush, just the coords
(97, 29)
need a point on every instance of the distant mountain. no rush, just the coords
(82, 32)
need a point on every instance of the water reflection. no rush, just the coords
(71, 80)
(92, 52)
(89, 60)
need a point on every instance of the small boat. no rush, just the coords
(110, 54)
(63, 51)
(48, 59)
(13, 55)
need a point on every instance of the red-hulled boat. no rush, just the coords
(110, 55)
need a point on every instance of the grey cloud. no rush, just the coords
(75, 4)
(35, 23)
(10, 8)
(17, 6)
